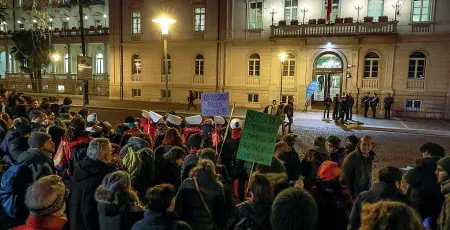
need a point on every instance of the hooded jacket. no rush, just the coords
(136, 143)
(158, 220)
(252, 213)
(120, 214)
(14, 144)
(357, 172)
(41, 163)
(82, 207)
(379, 191)
(444, 216)
(310, 165)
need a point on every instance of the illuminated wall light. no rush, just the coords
(105, 16)
(34, 21)
(85, 17)
(67, 18)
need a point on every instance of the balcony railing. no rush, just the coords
(338, 29)
(74, 32)
(415, 84)
(253, 81)
(198, 80)
(368, 83)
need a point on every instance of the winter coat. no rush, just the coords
(14, 144)
(157, 221)
(444, 216)
(388, 101)
(190, 207)
(19, 111)
(36, 127)
(190, 161)
(136, 143)
(380, 191)
(251, 214)
(291, 162)
(82, 207)
(357, 172)
(334, 202)
(57, 133)
(338, 156)
(3, 130)
(41, 163)
(350, 101)
(42, 223)
(310, 165)
(163, 149)
(118, 215)
(141, 169)
(168, 173)
(424, 191)
(64, 157)
(279, 181)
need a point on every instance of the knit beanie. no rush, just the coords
(294, 208)
(444, 163)
(116, 181)
(195, 139)
(390, 175)
(276, 167)
(319, 144)
(328, 171)
(334, 140)
(38, 139)
(132, 160)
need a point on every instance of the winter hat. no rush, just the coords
(195, 140)
(444, 163)
(38, 139)
(334, 140)
(92, 117)
(194, 120)
(116, 181)
(390, 175)
(294, 208)
(219, 120)
(276, 167)
(319, 144)
(173, 119)
(328, 171)
(290, 139)
(236, 124)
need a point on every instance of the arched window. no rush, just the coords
(66, 63)
(289, 66)
(371, 65)
(375, 8)
(136, 64)
(199, 65)
(169, 61)
(253, 65)
(417, 62)
(99, 63)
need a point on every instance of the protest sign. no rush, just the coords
(215, 104)
(258, 139)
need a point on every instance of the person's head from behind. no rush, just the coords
(113, 188)
(207, 154)
(175, 155)
(365, 145)
(36, 116)
(172, 137)
(195, 141)
(329, 171)
(292, 209)
(161, 198)
(129, 119)
(274, 102)
(100, 149)
(431, 149)
(35, 104)
(67, 101)
(76, 128)
(22, 126)
(205, 167)
(42, 142)
(46, 197)
(391, 176)
(389, 215)
(368, 94)
(260, 189)
(122, 129)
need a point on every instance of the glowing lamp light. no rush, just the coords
(85, 17)
(19, 22)
(51, 19)
(105, 16)
(56, 57)
(282, 56)
(67, 18)
(164, 22)
(34, 21)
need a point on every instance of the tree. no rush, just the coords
(32, 50)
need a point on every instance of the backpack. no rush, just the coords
(76, 155)
(14, 184)
(266, 109)
(332, 209)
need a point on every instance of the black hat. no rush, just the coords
(195, 140)
(390, 175)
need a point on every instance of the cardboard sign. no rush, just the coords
(258, 139)
(215, 104)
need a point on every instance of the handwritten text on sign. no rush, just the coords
(259, 137)
(215, 104)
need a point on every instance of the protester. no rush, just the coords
(351, 143)
(386, 215)
(291, 159)
(158, 215)
(37, 121)
(65, 106)
(443, 179)
(310, 164)
(255, 213)
(388, 189)
(88, 175)
(294, 208)
(16, 140)
(337, 154)
(357, 167)
(35, 106)
(190, 161)
(169, 169)
(172, 138)
(221, 170)
(275, 173)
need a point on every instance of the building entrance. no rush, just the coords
(328, 73)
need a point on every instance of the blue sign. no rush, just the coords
(312, 88)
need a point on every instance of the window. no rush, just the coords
(371, 65)
(375, 8)
(66, 63)
(421, 10)
(60, 88)
(98, 22)
(29, 86)
(163, 93)
(289, 66)
(3, 27)
(19, 3)
(99, 63)
(44, 87)
(414, 105)
(290, 10)
(255, 14)
(65, 25)
(169, 61)
(288, 97)
(136, 22)
(135, 92)
(136, 64)
(198, 94)
(199, 19)
(334, 9)
(199, 65)
(416, 67)
(253, 65)
(253, 98)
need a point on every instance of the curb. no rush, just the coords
(404, 130)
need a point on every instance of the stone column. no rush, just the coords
(106, 59)
(69, 54)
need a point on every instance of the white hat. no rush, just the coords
(194, 120)
(94, 129)
(236, 123)
(92, 117)
(219, 120)
(151, 115)
(176, 120)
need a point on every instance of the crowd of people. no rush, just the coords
(65, 169)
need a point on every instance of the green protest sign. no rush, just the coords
(258, 138)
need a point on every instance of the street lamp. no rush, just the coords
(55, 58)
(164, 22)
(282, 57)
(397, 6)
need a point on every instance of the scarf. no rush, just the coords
(445, 187)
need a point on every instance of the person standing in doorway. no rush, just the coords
(345, 106)
(327, 104)
(373, 104)
(350, 103)
(335, 107)
(191, 100)
(272, 109)
(289, 111)
(342, 109)
(366, 103)
(388, 101)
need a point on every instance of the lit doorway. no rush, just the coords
(328, 71)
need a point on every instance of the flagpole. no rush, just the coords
(226, 132)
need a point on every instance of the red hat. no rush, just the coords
(329, 170)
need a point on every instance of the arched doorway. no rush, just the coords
(328, 71)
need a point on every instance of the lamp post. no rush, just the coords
(358, 8)
(304, 10)
(397, 6)
(273, 12)
(164, 22)
(282, 57)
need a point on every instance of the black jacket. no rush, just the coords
(291, 162)
(41, 163)
(357, 172)
(56, 132)
(252, 215)
(82, 206)
(388, 101)
(117, 217)
(168, 173)
(378, 192)
(424, 192)
(327, 102)
(157, 221)
(366, 101)
(14, 144)
(36, 127)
